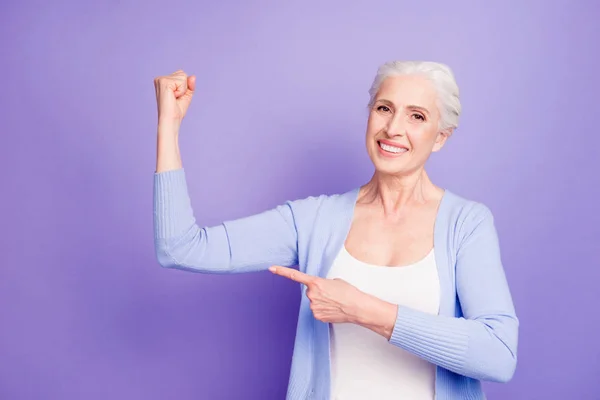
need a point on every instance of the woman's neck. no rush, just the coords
(396, 193)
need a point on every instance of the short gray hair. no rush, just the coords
(439, 74)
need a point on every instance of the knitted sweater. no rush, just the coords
(473, 338)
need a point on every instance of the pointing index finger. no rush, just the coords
(292, 274)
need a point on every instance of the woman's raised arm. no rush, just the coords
(246, 244)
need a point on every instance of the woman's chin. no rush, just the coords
(388, 165)
(390, 168)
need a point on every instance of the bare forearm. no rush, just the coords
(168, 156)
(377, 315)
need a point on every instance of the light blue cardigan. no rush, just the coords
(473, 338)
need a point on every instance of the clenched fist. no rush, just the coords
(173, 96)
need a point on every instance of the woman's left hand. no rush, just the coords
(331, 300)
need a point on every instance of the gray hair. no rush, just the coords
(443, 81)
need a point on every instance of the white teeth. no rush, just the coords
(392, 149)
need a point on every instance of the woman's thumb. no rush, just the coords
(191, 83)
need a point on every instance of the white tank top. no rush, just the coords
(363, 364)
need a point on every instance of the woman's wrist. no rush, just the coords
(168, 156)
(377, 315)
(168, 127)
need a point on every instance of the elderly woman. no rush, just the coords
(404, 293)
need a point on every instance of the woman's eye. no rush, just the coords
(383, 108)
(418, 117)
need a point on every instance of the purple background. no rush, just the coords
(85, 310)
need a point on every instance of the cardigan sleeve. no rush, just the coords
(482, 343)
(247, 244)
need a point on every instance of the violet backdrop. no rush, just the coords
(85, 310)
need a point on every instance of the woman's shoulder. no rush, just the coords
(464, 205)
(464, 214)
(324, 205)
(338, 200)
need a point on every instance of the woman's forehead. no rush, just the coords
(408, 89)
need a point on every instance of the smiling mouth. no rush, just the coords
(392, 149)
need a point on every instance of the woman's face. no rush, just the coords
(402, 129)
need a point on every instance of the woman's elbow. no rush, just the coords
(498, 366)
(493, 369)
(493, 349)
(491, 357)
(504, 371)
(190, 254)
(163, 256)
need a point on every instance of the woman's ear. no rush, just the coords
(441, 138)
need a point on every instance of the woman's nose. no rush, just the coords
(396, 126)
